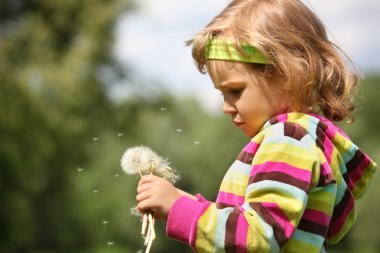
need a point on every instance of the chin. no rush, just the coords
(249, 134)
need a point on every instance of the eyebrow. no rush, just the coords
(228, 83)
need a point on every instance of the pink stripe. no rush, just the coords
(230, 199)
(280, 217)
(251, 147)
(332, 129)
(194, 226)
(241, 234)
(295, 172)
(325, 169)
(336, 226)
(282, 117)
(328, 149)
(317, 217)
(350, 184)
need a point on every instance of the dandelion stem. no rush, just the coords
(144, 224)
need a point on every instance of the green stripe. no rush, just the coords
(218, 49)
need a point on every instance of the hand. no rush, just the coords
(157, 194)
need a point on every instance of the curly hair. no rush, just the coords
(312, 70)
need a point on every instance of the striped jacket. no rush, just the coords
(291, 189)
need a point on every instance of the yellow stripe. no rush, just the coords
(344, 144)
(255, 237)
(295, 246)
(322, 196)
(236, 185)
(321, 206)
(300, 161)
(205, 236)
(291, 206)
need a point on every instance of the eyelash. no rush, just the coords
(233, 92)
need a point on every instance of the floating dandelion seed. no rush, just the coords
(80, 170)
(110, 243)
(120, 134)
(95, 138)
(105, 222)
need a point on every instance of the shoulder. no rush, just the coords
(294, 132)
(290, 133)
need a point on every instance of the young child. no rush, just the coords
(293, 186)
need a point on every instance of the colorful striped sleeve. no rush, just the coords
(263, 204)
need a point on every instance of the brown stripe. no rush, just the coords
(355, 161)
(321, 136)
(279, 233)
(346, 178)
(231, 224)
(326, 179)
(220, 205)
(274, 120)
(294, 131)
(280, 177)
(245, 157)
(339, 209)
(312, 227)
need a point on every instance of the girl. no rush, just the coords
(293, 186)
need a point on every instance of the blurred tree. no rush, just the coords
(51, 103)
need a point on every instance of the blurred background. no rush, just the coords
(82, 81)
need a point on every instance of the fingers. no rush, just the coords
(144, 187)
(145, 196)
(142, 196)
(147, 204)
(148, 179)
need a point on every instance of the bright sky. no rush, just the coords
(151, 40)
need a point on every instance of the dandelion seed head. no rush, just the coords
(145, 161)
(140, 159)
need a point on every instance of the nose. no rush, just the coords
(228, 108)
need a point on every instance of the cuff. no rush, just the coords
(181, 217)
(200, 198)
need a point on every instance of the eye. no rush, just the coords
(235, 92)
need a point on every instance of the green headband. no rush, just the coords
(218, 49)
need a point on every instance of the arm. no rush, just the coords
(275, 199)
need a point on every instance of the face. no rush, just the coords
(248, 98)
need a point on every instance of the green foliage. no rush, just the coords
(51, 102)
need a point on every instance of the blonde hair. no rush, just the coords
(309, 67)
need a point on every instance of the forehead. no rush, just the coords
(221, 71)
